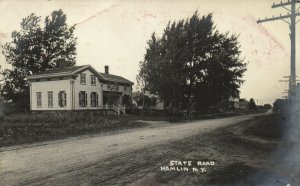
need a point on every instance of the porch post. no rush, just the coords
(72, 97)
(30, 96)
(120, 99)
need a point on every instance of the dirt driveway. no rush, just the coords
(52, 161)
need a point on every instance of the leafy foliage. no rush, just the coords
(252, 105)
(33, 49)
(267, 106)
(193, 63)
(144, 100)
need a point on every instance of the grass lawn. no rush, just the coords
(16, 132)
(19, 129)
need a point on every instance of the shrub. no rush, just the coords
(54, 117)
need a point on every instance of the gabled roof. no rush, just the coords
(114, 78)
(74, 70)
(63, 72)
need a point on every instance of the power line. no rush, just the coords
(291, 15)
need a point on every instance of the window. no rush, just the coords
(93, 80)
(82, 79)
(82, 98)
(117, 87)
(50, 99)
(125, 88)
(112, 86)
(62, 99)
(39, 99)
(94, 99)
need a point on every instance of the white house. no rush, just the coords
(237, 103)
(242, 105)
(78, 88)
(161, 104)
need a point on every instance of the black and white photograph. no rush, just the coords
(149, 92)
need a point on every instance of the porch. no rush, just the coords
(117, 109)
(115, 101)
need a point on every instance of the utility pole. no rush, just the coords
(291, 15)
(286, 80)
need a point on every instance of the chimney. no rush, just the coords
(106, 69)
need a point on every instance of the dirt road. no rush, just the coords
(53, 162)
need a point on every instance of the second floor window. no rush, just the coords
(62, 98)
(93, 80)
(50, 99)
(82, 79)
(82, 99)
(125, 88)
(117, 87)
(39, 99)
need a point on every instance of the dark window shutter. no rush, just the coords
(96, 99)
(85, 99)
(65, 100)
(79, 98)
(91, 98)
(59, 99)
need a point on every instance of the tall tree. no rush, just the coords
(58, 41)
(252, 105)
(33, 49)
(193, 63)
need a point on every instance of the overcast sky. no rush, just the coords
(115, 33)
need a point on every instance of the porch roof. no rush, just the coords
(114, 78)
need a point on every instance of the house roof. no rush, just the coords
(111, 77)
(60, 70)
(73, 70)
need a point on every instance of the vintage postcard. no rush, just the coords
(149, 92)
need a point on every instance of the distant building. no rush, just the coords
(238, 104)
(153, 102)
(78, 88)
(242, 105)
(233, 103)
(161, 104)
